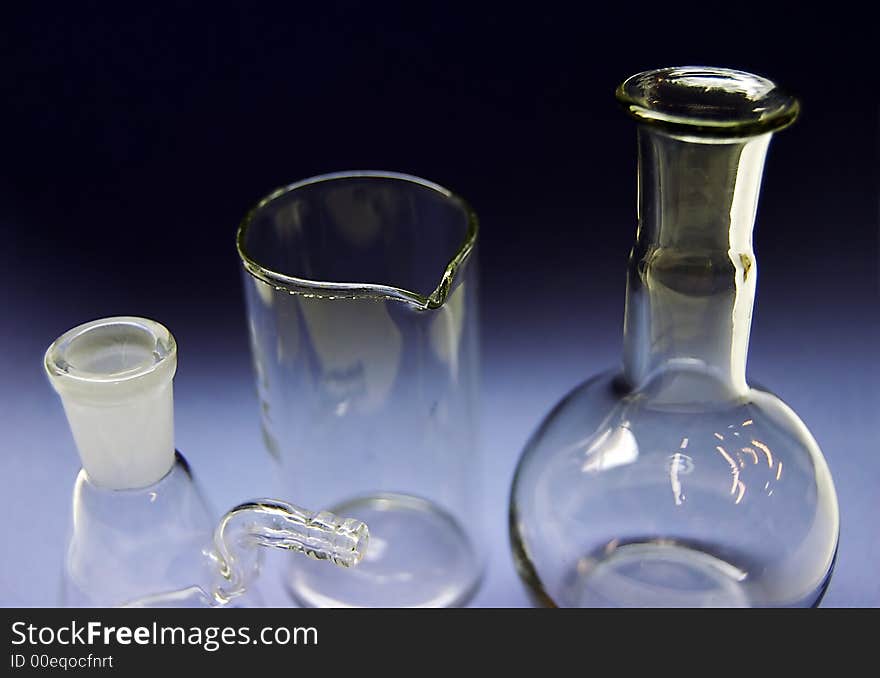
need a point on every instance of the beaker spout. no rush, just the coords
(277, 524)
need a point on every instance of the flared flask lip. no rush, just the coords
(357, 289)
(73, 359)
(708, 102)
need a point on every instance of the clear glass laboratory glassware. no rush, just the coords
(673, 482)
(142, 533)
(362, 309)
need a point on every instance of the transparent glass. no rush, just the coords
(362, 308)
(142, 533)
(672, 482)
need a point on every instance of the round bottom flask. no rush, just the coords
(674, 483)
(624, 499)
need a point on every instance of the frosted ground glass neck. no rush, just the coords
(114, 376)
(703, 139)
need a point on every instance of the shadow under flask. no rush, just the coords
(673, 482)
(142, 534)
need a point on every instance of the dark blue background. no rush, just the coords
(135, 138)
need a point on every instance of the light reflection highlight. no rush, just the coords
(681, 463)
(766, 450)
(613, 447)
(734, 469)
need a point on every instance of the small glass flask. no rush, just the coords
(672, 482)
(142, 533)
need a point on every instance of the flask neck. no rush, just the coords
(114, 376)
(692, 273)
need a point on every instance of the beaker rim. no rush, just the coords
(356, 289)
(707, 102)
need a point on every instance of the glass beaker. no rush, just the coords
(362, 309)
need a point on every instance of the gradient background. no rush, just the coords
(135, 138)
